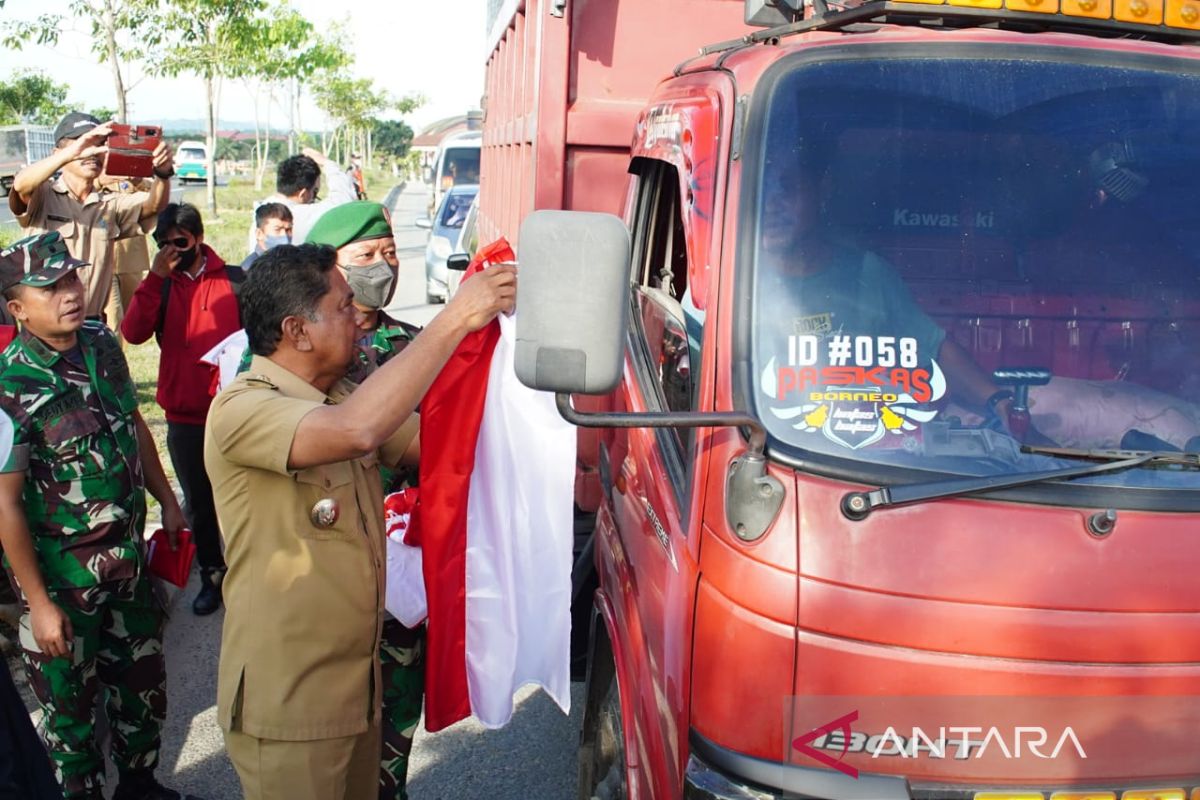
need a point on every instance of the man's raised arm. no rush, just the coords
(29, 179)
(160, 190)
(374, 411)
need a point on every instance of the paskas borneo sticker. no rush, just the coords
(855, 390)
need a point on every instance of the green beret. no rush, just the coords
(351, 222)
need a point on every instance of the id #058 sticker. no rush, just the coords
(855, 390)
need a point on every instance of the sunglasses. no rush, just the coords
(180, 242)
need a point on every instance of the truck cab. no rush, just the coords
(899, 458)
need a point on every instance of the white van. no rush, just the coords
(457, 164)
(191, 161)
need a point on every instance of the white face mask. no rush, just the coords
(275, 241)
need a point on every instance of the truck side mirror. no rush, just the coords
(573, 296)
(458, 262)
(424, 223)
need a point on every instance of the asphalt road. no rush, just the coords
(533, 758)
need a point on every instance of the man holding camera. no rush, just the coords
(89, 221)
(189, 303)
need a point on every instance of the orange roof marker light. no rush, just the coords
(1165, 20)
(1183, 14)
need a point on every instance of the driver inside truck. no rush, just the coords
(816, 282)
(819, 285)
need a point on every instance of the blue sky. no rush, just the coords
(434, 48)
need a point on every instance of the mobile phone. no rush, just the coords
(131, 150)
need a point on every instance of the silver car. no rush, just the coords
(445, 235)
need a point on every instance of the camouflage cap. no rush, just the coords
(38, 260)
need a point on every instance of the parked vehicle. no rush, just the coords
(191, 161)
(468, 243)
(21, 145)
(445, 234)
(893, 358)
(457, 164)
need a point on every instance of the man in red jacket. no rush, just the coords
(201, 309)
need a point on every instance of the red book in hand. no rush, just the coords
(171, 565)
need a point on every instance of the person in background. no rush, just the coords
(72, 511)
(189, 302)
(293, 450)
(131, 256)
(355, 170)
(298, 186)
(272, 227)
(361, 232)
(25, 769)
(90, 221)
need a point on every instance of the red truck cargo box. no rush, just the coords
(565, 82)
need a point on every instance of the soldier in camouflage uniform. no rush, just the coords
(366, 250)
(25, 772)
(72, 510)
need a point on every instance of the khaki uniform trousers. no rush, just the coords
(345, 768)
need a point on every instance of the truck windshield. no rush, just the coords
(942, 243)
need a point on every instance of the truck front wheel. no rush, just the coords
(602, 739)
(608, 753)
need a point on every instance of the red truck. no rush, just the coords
(889, 368)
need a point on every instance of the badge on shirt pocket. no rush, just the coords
(327, 505)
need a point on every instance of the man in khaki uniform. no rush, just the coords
(89, 221)
(292, 450)
(131, 257)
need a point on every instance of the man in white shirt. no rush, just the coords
(298, 186)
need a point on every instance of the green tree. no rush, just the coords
(392, 138)
(287, 51)
(103, 113)
(353, 104)
(215, 40)
(30, 96)
(121, 31)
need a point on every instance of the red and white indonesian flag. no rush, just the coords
(495, 522)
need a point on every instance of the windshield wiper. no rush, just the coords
(857, 505)
(1160, 456)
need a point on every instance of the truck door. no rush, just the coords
(654, 483)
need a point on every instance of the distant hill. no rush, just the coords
(190, 127)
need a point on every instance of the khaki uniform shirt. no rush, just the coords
(304, 603)
(90, 230)
(132, 256)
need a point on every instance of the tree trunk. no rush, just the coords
(293, 135)
(114, 62)
(259, 160)
(211, 125)
(299, 122)
(267, 141)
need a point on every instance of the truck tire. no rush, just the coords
(603, 778)
(612, 748)
(602, 739)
